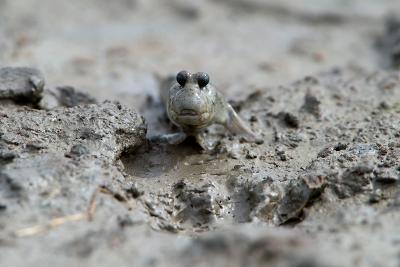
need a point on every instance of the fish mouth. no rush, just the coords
(189, 113)
(190, 117)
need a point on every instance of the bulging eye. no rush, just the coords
(202, 79)
(182, 77)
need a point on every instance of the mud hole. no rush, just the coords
(83, 184)
(156, 161)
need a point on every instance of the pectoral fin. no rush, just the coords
(228, 117)
(236, 125)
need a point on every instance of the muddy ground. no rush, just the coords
(81, 185)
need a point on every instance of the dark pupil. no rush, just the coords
(182, 77)
(203, 79)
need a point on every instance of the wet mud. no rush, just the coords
(83, 183)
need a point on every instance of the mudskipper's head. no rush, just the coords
(192, 100)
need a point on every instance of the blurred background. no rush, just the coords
(117, 49)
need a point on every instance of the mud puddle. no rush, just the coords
(161, 161)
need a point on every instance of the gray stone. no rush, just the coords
(354, 180)
(21, 84)
(297, 195)
(106, 129)
(386, 176)
(64, 96)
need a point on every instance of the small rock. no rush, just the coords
(384, 105)
(6, 156)
(35, 146)
(392, 24)
(297, 195)
(250, 154)
(325, 152)
(311, 79)
(254, 96)
(89, 134)
(169, 227)
(253, 118)
(49, 100)
(340, 146)
(281, 153)
(289, 119)
(77, 151)
(154, 210)
(134, 192)
(195, 204)
(390, 41)
(364, 149)
(69, 97)
(21, 84)
(125, 221)
(234, 154)
(65, 96)
(2, 207)
(259, 141)
(234, 151)
(312, 105)
(375, 196)
(187, 10)
(386, 176)
(10, 188)
(353, 181)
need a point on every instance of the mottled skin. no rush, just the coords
(193, 104)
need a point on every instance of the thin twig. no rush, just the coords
(92, 205)
(40, 228)
(33, 230)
